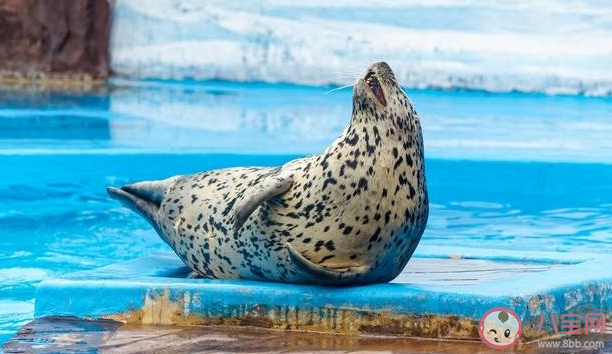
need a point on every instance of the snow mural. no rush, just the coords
(553, 47)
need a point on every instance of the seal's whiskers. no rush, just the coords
(401, 88)
(338, 88)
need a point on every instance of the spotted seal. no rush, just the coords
(353, 214)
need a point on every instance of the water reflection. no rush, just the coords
(249, 119)
(60, 127)
(285, 119)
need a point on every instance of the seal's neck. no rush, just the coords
(390, 125)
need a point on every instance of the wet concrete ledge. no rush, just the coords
(72, 335)
(441, 294)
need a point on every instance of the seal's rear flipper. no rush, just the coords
(144, 197)
(145, 208)
(153, 191)
(336, 275)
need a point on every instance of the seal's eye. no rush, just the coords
(492, 330)
(507, 333)
(374, 85)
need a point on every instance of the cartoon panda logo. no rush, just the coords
(500, 328)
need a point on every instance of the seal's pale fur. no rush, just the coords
(353, 214)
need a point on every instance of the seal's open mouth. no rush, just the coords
(377, 90)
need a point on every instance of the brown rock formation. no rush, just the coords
(54, 40)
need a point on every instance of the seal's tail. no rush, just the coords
(144, 198)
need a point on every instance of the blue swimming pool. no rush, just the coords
(511, 171)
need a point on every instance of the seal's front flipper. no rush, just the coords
(326, 275)
(275, 184)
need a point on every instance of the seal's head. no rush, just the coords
(379, 94)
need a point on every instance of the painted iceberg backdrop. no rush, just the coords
(553, 47)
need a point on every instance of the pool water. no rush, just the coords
(511, 171)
